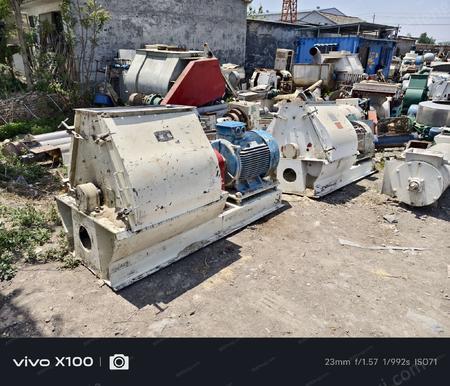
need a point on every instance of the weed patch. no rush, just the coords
(33, 126)
(12, 167)
(23, 231)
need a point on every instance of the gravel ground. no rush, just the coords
(287, 275)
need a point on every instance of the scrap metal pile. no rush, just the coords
(199, 153)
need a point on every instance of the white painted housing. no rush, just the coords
(420, 176)
(146, 190)
(321, 150)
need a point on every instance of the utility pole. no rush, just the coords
(373, 18)
(289, 11)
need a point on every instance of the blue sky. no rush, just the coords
(414, 16)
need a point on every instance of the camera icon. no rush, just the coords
(119, 362)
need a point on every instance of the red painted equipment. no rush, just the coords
(222, 167)
(200, 83)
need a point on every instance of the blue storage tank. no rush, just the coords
(373, 53)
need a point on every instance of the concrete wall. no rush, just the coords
(404, 46)
(190, 23)
(263, 39)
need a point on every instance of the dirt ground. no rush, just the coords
(286, 275)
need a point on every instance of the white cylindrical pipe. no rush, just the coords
(51, 136)
(56, 142)
(316, 54)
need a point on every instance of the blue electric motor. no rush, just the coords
(412, 111)
(434, 131)
(250, 156)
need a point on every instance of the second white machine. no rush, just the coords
(324, 146)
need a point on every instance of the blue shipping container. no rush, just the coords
(373, 53)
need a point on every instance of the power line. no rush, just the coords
(418, 17)
(404, 13)
(425, 24)
(407, 17)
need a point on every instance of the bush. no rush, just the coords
(12, 167)
(33, 126)
(7, 269)
(8, 82)
(24, 229)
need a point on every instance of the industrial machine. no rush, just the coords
(323, 146)
(408, 65)
(271, 82)
(385, 98)
(284, 59)
(335, 68)
(431, 117)
(306, 75)
(373, 54)
(439, 82)
(234, 74)
(346, 66)
(154, 68)
(264, 77)
(439, 89)
(416, 92)
(246, 112)
(170, 75)
(395, 132)
(394, 69)
(420, 176)
(434, 114)
(147, 188)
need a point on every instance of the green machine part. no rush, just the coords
(416, 92)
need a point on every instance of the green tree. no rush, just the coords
(253, 13)
(8, 81)
(54, 61)
(5, 28)
(24, 47)
(88, 19)
(425, 39)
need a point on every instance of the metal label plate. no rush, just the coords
(164, 136)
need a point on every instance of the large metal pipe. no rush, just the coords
(56, 142)
(51, 136)
(219, 109)
(314, 86)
